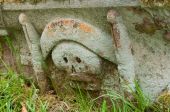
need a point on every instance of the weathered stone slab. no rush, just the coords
(51, 4)
(149, 48)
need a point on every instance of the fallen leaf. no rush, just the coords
(24, 109)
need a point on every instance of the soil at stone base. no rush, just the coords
(55, 104)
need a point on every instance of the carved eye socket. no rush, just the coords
(65, 59)
(78, 59)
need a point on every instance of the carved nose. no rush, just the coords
(72, 62)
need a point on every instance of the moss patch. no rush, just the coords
(156, 2)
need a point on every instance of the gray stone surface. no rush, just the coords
(33, 42)
(151, 54)
(150, 51)
(123, 51)
(80, 32)
(74, 57)
(53, 4)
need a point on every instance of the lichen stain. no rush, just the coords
(167, 35)
(68, 22)
(71, 23)
(147, 26)
(85, 28)
(116, 36)
(136, 10)
(164, 99)
(50, 30)
(156, 2)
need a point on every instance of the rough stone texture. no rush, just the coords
(75, 58)
(80, 64)
(150, 52)
(98, 78)
(80, 32)
(75, 47)
(123, 52)
(52, 4)
(33, 42)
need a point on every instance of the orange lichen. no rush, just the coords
(85, 28)
(71, 23)
(67, 22)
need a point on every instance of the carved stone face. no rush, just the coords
(74, 58)
(80, 64)
(75, 64)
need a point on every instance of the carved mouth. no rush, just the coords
(85, 81)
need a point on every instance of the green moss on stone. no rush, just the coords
(156, 2)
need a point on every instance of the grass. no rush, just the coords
(140, 103)
(85, 102)
(14, 93)
(156, 2)
(121, 103)
(115, 102)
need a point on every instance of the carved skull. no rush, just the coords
(78, 49)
